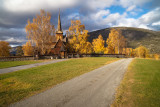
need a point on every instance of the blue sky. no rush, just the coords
(95, 14)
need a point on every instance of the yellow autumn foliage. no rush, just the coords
(106, 50)
(4, 48)
(40, 31)
(98, 45)
(141, 52)
(115, 41)
(28, 49)
(156, 56)
(78, 38)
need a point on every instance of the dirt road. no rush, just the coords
(93, 89)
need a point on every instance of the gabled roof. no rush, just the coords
(55, 43)
(63, 48)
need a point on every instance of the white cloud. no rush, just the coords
(156, 23)
(73, 16)
(112, 18)
(14, 40)
(14, 45)
(128, 22)
(36, 5)
(133, 13)
(151, 17)
(100, 14)
(100, 4)
(131, 8)
(96, 18)
(116, 19)
(144, 26)
(128, 3)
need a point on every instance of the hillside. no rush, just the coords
(135, 37)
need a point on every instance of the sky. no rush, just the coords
(94, 14)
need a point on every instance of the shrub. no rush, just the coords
(156, 56)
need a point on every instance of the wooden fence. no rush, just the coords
(17, 58)
(69, 55)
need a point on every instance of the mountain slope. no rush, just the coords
(135, 37)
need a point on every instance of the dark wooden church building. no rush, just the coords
(58, 47)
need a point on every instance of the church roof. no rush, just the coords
(62, 48)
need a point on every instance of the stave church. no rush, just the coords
(58, 46)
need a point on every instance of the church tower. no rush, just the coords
(59, 32)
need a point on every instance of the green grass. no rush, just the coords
(141, 85)
(8, 64)
(21, 84)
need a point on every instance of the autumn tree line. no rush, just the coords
(40, 32)
(116, 43)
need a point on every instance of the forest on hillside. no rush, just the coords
(134, 36)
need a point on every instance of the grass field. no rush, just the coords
(17, 63)
(140, 86)
(18, 85)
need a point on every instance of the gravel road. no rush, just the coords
(12, 69)
(92, 89)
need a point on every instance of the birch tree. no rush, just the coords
(98, 44)
(28, 49)
(142, 52)
(116, 41)
(40, 31)
(78, 38)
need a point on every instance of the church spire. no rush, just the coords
(59, 28)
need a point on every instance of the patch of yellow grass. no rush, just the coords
(123, 94)
(10, 86)
(14, 84)
(140, 86)
(108, 62)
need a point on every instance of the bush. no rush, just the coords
(142, 52)
(156, 56)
